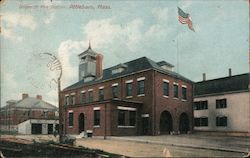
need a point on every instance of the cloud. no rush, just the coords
(160, 13)
(67, 53)
(49, 18)
(11, 21)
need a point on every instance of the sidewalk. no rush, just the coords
(219, 143)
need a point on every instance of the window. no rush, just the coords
(101, 94)
(66, 100)
(221, 103)
(165, 88)
(200, 105)
(45, 114)
(141, 86)
(121, 118)
(132, 118)
(97, 117)
(71, 119)
(83, 97)
(129, 89)
(175, 90)
(90, 96)
(221, 121)
(184, 93)
(202, 121)
(115, 91)
(73, 99)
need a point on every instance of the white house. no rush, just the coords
(223, 104)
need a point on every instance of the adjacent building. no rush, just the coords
(222, 104)
(35, 113)
(139, 97)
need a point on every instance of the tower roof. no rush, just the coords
(89, 51)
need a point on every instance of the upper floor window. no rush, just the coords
(73, 99)
(83, 97)
(101, 94)
(141, 87)
(115, 91)
(165, 88)
(221, 103)
(129, 89)
(66, 100)
(90, 96)
(200, 105)
(184, 92)
(71, 118)
(176, 95)
(221, 121)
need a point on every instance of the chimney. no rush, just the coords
(99, 71)
(229, 72)
(25, 95)
(204, 76)
(39, 97)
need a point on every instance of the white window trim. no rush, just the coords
(165, 96)
(96, 108)
(164, 80)
(129, 96)
(72, 93)
(70, 111)
(115, 84)
(70, 126)
(144, 115)
(66, 95)
(102, 87)
(186, 100)
(141, 78)
(176, 98)
(141, 95)
(129, 81)
(126, 108)
(184, 86)
(89, 131)
(90, 90)
(125, 126)
(83, 91)
(175, 83)
(96, 126)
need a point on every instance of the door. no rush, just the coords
(145, 125)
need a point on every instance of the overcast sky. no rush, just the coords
(122, 32)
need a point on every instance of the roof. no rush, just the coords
(133, 66)
(161, 63)
(222, 85)
(88, 51)
(34, 103)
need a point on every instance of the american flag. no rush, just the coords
(185, 18)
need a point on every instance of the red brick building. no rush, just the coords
(18, 111)
(139, 97)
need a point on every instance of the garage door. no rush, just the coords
(36, 128)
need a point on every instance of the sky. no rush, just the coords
(121, 31)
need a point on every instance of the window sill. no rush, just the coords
(165, 96)
(96, 126)
(176, 98)
(70, 126)
(126, 126)
(183, 99)
(140, 95)
(129, 96)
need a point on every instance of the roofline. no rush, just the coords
(154, 69)
(221, 93)
(224, 78)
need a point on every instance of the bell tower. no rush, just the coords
(90, 66)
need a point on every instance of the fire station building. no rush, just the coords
(139, 97)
